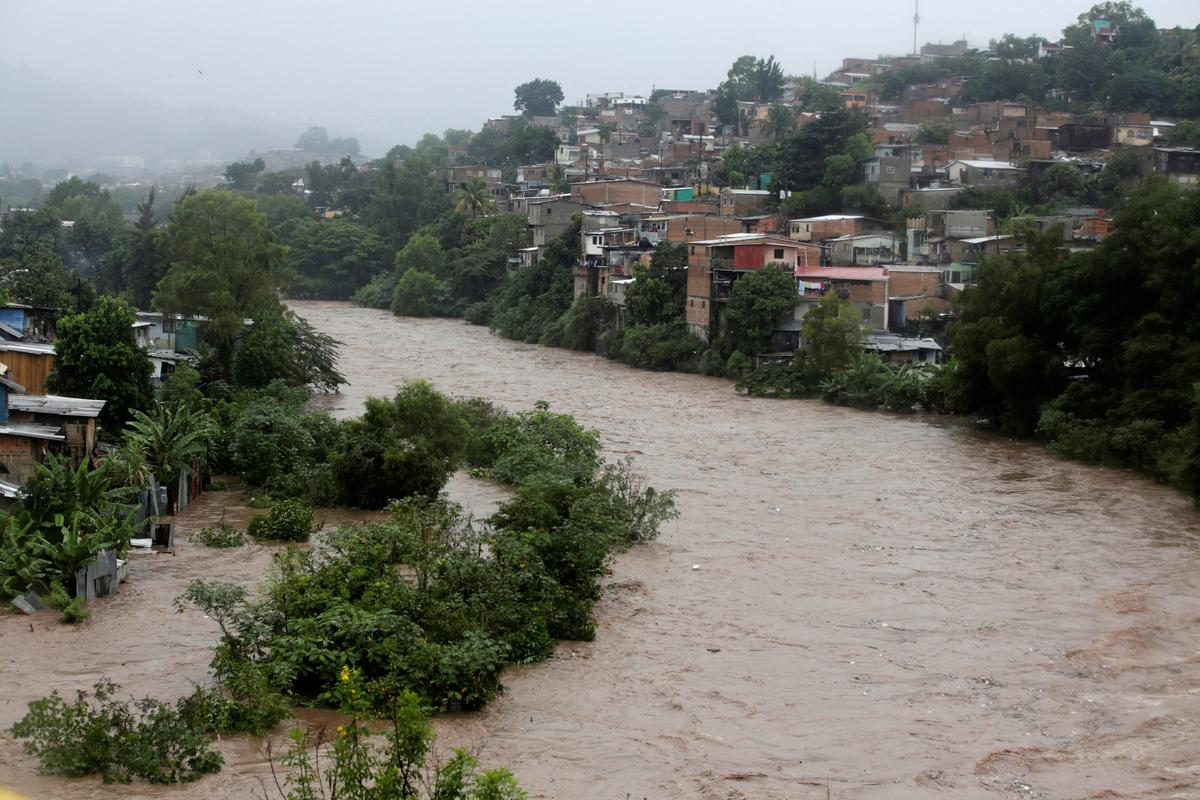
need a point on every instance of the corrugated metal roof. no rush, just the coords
(843, 273)
(46, 432)
(55, 404)
(985, 164)
(751, 238)
(27, 347)
(983, 239)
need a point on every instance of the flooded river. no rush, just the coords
(884, 606)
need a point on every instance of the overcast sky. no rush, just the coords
(389, 71)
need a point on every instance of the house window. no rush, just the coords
(778, 253)
(168, 325)
(549, 211)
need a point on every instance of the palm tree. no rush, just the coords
(172, 437)
(558, 179)
(779, 122)
(474, 198)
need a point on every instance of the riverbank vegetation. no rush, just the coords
(424, 609)
(431, 601)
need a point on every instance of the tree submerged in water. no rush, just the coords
(403, 767)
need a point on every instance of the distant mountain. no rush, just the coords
(47, 121)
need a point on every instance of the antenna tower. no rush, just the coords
(916, 21)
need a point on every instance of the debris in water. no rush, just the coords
(695, 566)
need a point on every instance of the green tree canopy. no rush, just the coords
(757, 305)
(831, 334)
(408, 445)
(332, 259)
(419, 294)
(96, 357)
(224, 264)
(538, 97)
(242, 175)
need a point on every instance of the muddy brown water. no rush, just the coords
(884, 606)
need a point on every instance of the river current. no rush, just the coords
(850, 605)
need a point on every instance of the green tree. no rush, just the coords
(801, 156)
(419, 294)
(41, 279)
(475, 198)
(281, 346)
(832, 333)
(424, 253)
(751, 78)
(242, 175)
(538, 97)
(405, 446)
(144, 265)
(1140, 90)
(813, 96)
(317, 140)
(935, 132)
(95, 221)
(1007, 360)
(223, 265)
(96, 357)
(396, 201)
(779, 123)
(757, 305)
(332, 259)
(173, 438)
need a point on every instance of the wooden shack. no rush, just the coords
(29, 364)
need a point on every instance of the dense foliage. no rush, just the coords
(96, 357)
(405, 768)
(432, 602)
(408, 445)
(99, 734)
(289, 520)
(1097, 352)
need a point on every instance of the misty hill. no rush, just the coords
(48, 121)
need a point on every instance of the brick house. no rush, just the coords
(865, 287)
(714, 265)
(616, 192)
(742, 202)
(832, 226)
(970, 172)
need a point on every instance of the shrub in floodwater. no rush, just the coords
(71, 607)
(357, 768)
(288, 521)
(220, 535)
(121, 741)
(427, 602)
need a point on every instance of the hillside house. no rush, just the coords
(550, 216)
(743, 202)
(679, 228)
(865, 287)
(630, 191)
(867, 249)
(32, 426)
(715, 265)
(1180, 164)
(29, 363)
(20, 322)
(832, 226)
(983, 173)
